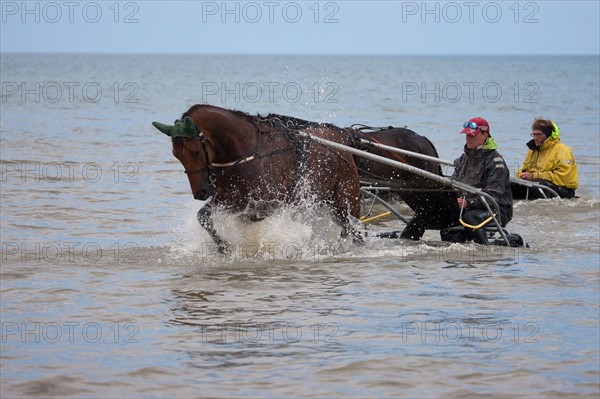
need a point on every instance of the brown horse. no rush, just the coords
(252, 164)
(435, 205)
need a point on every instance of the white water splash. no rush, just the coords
(307, 233)
(302, 232)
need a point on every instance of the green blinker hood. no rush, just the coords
(180, 129)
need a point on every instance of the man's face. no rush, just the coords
(538, 137)
(476, 140)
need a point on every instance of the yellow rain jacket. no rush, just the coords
(552, 161)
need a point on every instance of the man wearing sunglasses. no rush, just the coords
(549, 161)
(483, 167)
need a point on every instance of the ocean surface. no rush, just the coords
(110, 288)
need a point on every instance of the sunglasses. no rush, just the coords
(473, 126)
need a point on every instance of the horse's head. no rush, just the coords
(195, 153)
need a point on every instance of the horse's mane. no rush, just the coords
(297, 123)
(287, 121)
(195, 107)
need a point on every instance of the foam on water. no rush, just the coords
(295, 233)
(306, 233)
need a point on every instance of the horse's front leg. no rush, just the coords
(348, 229)
(205, 220)
(346, 203)
(341, 215)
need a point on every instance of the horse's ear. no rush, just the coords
(188, 124)
(180, 129)
(187, 128)
(166, 129)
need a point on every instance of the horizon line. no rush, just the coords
(298, 54)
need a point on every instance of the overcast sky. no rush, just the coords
(302, 27)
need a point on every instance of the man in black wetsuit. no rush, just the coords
(480, 166)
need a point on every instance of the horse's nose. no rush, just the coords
(202, 195)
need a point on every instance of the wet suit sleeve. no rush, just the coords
(494, 182)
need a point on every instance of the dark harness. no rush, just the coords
(287, 130)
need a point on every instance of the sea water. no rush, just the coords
(111, 288)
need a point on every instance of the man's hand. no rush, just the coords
(526, 175)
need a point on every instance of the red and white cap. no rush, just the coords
(472, 125)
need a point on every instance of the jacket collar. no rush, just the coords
(477, 152)
(549, 142)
